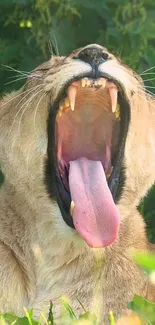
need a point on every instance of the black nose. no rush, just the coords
(93, 55)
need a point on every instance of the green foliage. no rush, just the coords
(147, 209)
(144, 308)
(67, 315)
(32, 30)
(145, 261)
(12, 319)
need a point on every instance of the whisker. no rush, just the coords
(13, 69)
(16, 80)
(149, 79)
(29, 92)
(35, 112)
(18, 95)
(147, 91)
(141, 74)
(55, 44)
(33, 76)
(50, 47)
(34, 120)
(148, 69)
(27, 103)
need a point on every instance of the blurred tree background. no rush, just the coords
(32, 30)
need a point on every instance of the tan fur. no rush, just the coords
(41, 258)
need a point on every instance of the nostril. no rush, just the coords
(105, 56)
(92, 55)
(84, 56)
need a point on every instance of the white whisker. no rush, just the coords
(13, 69)
(146, 91)
(148, 79)
(148, 69)
(16, 80)
(27, 93)
(13, 98)
(141, 74)
(55, 45)
(35, 112)
(27, 103)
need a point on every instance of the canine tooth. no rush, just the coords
(59, 113)
(72, 90)
(61, 107)
(72, 206)
(84, 82)
(113, 96)
(118, 108)
(117, 114)
(67, 103)
(109, 172)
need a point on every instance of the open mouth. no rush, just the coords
(90, 130)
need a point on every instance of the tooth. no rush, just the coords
(104, 81)
(72, 90)
(67, 102)
(84, 82)
(88, 83)
(100, 82)
(72, 206)
(61, 107)
(113, 96)
(96, 83)
(117, 114)
(118, 108)
(109, 172)
(59, 113)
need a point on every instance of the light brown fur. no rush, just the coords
(40, 257)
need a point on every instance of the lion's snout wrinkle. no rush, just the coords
(67, 116)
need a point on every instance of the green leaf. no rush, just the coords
(89, 316)
(50, 316)
(68, 308)
(144, 308)
(146, 261)
(11, 319)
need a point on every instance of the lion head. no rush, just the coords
(78, 138)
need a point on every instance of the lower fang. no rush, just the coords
(109, 172)
(117, 114)
(67, 102)
(72, 206)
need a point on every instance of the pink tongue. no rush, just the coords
(95, 215)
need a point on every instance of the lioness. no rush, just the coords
(77, 149)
